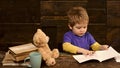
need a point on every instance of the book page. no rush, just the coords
(98, 55)
(117, 58)
(106, 54)
(83, 58)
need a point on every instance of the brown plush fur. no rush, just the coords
(41, 41)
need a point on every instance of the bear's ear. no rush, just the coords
(47, 39)
(39, 30)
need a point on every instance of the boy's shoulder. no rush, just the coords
(68, 32)
(87, 33)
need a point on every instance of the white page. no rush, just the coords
(117, 58)
(83, 58)
(106, 54)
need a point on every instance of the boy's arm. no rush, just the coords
(95, 46)
(68, 47)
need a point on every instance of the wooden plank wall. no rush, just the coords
(19, 20)
(113, 23)
(98, 18)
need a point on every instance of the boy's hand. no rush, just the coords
(85, 52)
(104, 47)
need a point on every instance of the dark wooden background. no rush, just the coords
(19, 20)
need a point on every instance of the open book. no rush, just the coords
(98, 55)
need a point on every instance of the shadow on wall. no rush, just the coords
(116, 44)
(113, 38)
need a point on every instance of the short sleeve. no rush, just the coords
(91, 39)
(67, 37)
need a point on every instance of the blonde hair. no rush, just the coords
(77, 15)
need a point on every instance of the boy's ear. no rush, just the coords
(69, 27)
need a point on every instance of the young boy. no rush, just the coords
(78, 40)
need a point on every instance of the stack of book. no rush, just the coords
(16, 54)
(7, 61)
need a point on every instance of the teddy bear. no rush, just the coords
(40, 40)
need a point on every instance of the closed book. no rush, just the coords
(19, 49)
(8, 61)
(20, 52)
(19, 57)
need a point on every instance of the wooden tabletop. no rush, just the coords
(67, 61)
(70, 62)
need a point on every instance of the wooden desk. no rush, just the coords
(70, 62)
(67, 61)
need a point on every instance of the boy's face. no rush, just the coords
(79, 29)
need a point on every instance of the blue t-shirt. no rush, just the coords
(84, 41)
